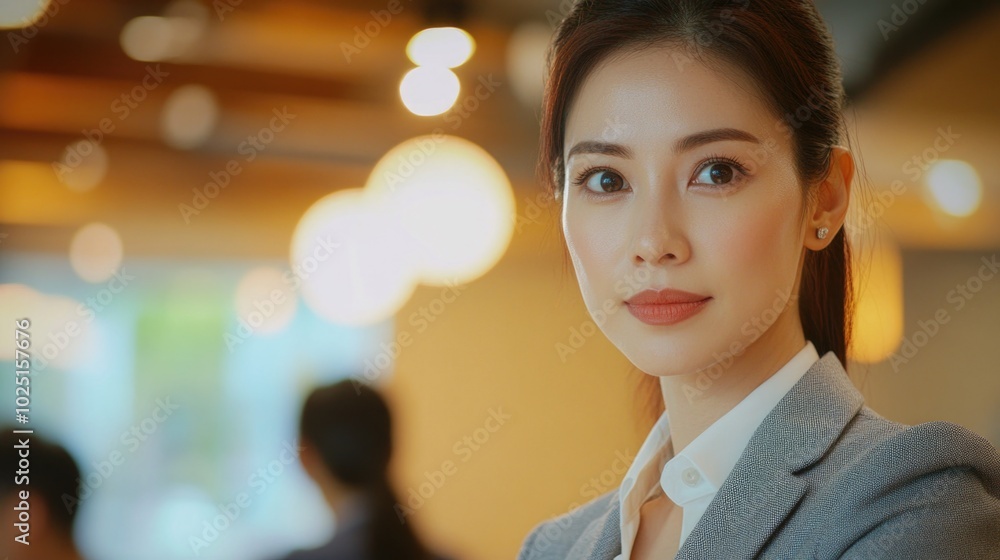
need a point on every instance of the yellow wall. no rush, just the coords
(494, 348)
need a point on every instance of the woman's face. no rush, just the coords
(678, 178)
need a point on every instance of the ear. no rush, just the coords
(833, 196)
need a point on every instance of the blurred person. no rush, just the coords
(52, 482)
(695, 149)
(345, 441)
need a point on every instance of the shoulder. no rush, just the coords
(554, 537)
(930, 490)
(892, 452)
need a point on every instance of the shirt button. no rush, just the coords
(690, 476)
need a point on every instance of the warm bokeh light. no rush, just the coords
(443, 47)
(21, 13)
(453, 199)
(152, 38)
(83, 165)
(147, 38)
(350, 260)
(264, 301)
(428, 91)
(526, 61)
(95, 252)
(189, 116)
(878, 321)
(60, 332)
(955, 187)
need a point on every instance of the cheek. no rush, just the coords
(593, 242)
(755, 245)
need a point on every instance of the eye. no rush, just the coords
(716, 174)
(600, 180)
(720, 171)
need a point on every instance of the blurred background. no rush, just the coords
(209, 207)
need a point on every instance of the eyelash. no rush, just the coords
(741, 172)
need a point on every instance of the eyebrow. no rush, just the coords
(684, 144)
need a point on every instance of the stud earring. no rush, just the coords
(821, 232)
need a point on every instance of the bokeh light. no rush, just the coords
(264, 300)
(348, 256)
(454, 201)
(526, 61)
(428, 91)
(955, 187)
(878, 320)
(96, 252)
(153, 38)
(21, 13)
(60, 332)
(82, 166)
(189, 116)
(443, 47)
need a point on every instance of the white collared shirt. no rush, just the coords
(692, 477)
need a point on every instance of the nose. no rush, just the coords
(658, 239)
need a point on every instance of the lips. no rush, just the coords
(665, 307)
(665, 296)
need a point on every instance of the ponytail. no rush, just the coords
(826, 297)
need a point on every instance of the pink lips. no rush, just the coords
(665, 307)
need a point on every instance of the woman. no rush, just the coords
(345, 439)
(695, 148)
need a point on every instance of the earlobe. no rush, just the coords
(832, 200)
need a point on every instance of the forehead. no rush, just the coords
(660, 94)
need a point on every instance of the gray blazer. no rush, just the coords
(822, 477)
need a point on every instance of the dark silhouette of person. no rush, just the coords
(345, 446)
(39, 495)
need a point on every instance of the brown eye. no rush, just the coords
(716, 174)
(605, 181)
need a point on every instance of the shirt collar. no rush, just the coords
(705, 463)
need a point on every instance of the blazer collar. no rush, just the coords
(763, 487)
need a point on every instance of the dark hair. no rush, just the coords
(53, 477)
(349, 425)
(786, 50)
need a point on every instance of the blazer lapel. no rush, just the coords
(763, 489)
(609, 541)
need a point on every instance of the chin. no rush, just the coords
(661, 356)
(661, 352)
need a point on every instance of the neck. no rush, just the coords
(695, 400)
(344, 502)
